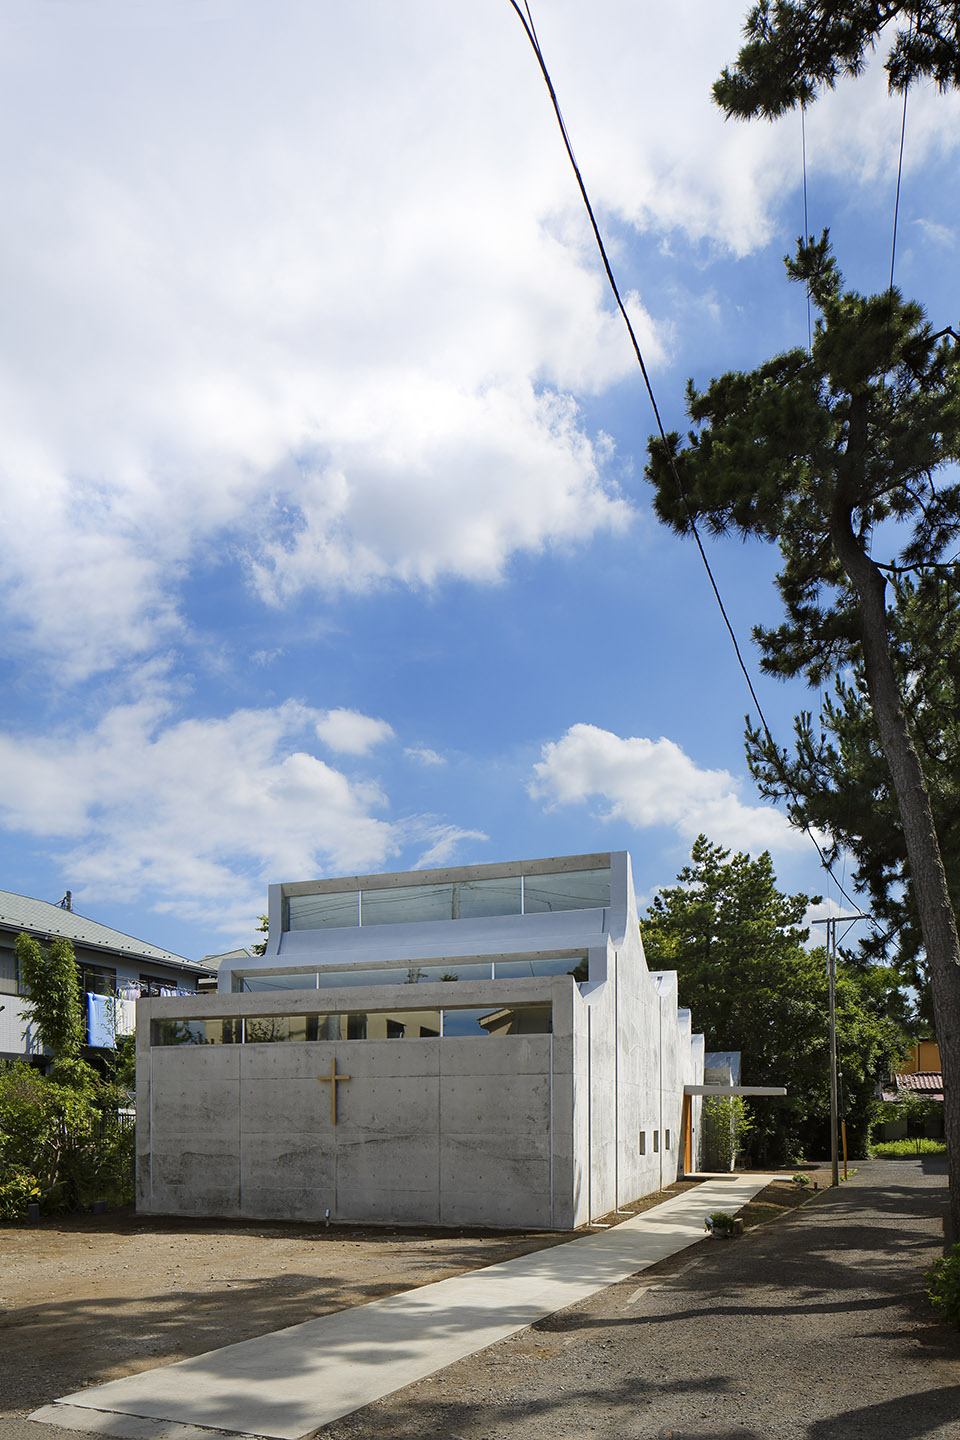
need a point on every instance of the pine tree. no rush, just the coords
(837, 781)
(812, 451)
(795, 48)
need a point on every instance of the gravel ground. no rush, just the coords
(814, 1326)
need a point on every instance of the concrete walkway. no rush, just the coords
(291, 1382)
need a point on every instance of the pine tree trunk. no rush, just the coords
(927, 875)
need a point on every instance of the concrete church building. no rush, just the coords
(473, 1046)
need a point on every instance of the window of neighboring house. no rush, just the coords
(8, 974)
(155, 985)
(97, 980)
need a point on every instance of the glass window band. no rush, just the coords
(427, 1024)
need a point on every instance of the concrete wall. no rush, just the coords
(634, 1053)
(449, 1131)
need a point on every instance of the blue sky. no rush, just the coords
(327, 544)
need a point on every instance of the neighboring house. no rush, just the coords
(213, 962)
(478, 1045)
(115, 969)
(920, 1076)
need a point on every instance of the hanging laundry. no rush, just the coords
(101, 1021)
(126, 1016)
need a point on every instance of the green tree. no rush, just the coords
(49, 981)
(736, 943)
(260, 948)
(837, 780)
(65, 1139)
(813, 451)
(794, 48)
(726, 1125)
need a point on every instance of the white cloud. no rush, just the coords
(445, 843)
(423, 755)
(350, 733)
(652, 782)
(269, 303)
(830, 909)
(938, 233)
(194, 815)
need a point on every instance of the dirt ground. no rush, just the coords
(85, 1299)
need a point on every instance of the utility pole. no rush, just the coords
(831, 925)
(832, 987)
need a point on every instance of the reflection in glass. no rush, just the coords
(500, 1020)
(425, 1024)
(323, 912)
(407, 903)
(577, 890)
(476, 898)
(358, 975)
(544, 965)
(266, 1029)
(305, 980)
(196, 1032)
(431, 974)
(401, 974)
(394, 1025)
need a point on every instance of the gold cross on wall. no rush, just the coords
(333, 1080)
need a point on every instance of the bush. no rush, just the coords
(906, 1149)
(943, 1285)
(721, 1222)
(18, 1189)
(63, 1145)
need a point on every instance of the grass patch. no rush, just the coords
(774, 1200)
(906, 1149)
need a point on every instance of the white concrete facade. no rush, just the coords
(564, 1100)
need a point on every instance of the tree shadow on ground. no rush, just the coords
(908, 1417)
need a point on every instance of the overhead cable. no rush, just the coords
(526, 20)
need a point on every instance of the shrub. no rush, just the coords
(943, 1285)
(906, 1149)
(721, 1222)
(64, 1142)
(800, 1179)
(18, 1189)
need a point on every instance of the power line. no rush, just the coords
(896, 206)
(526, 20)
(806, 223)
